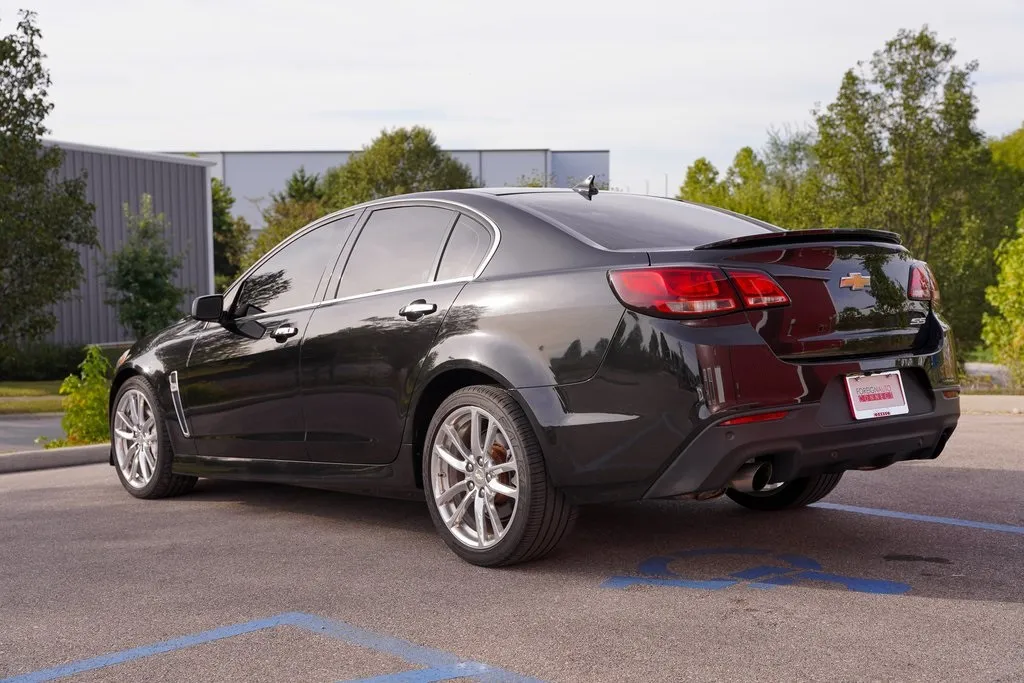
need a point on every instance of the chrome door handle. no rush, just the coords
(417, 309)
(283, 332)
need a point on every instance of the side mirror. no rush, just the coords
(210, 307)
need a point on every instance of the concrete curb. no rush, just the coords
(44, 459)
(989, 404)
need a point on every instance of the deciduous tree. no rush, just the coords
(43, 220)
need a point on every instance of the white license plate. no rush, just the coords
(878, 395)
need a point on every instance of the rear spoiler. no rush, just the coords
(814, 235)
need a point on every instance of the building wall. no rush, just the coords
(180, 190)
(253, 176)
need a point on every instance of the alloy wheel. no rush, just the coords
(135, 438)
(474, 480)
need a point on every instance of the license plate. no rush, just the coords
(878, 395)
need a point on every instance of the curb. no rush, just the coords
(45, 459)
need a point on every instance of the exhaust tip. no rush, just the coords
(752, 477)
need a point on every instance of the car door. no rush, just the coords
(364, 346)
(241, 386)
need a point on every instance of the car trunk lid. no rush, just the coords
(848, 296)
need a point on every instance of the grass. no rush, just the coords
(30, 404)
(20, 389)
(30, 397)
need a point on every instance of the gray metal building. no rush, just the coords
(180, 187)
(252, 176)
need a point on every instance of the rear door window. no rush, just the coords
(397, 247)
(468, 245)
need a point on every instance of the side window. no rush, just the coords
(396, 248)
(465, 250)
(290, 277)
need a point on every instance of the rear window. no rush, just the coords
(621, 221)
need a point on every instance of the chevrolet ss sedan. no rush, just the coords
(511, 354)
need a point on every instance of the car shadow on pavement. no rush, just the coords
(695, 540)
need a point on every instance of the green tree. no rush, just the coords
(281, 219)
(43, 221)
(301, 187)
(139, 275)
(1003, 331)
(899, 149)
(1009, 149)
(231, 236)
(396, 162)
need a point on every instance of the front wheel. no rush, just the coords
(142, 447)
(791, 494)
(485, 481)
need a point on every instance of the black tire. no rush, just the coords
(543, 515)
(164, 483)
(793, 494)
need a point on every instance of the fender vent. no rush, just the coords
(179, 410)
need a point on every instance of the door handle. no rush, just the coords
(283, 332)
(417, 309)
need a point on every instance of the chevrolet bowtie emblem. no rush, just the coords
(855, 281)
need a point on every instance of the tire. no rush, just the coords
(792, 494)
(540, 515)
(161, 483)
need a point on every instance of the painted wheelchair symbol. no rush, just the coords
(775, 570)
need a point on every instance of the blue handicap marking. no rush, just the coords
(436, 665)
(768, 570)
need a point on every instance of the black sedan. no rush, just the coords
(510, 354)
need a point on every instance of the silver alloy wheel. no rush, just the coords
(135, 438)
(473, 477)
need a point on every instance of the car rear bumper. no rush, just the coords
(800, 445)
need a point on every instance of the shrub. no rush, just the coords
(40, 361)
(85, 418)
(139, 276)
(1004, 332)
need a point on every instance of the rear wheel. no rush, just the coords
(142, 448)
(486, 484)
(790, 494)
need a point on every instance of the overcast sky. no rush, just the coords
(656, 83)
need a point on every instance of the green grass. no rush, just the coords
(980, 355)
(30, 404)
(18, 389)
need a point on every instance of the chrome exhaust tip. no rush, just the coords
(752, 477)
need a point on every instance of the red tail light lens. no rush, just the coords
(675, 291)
(750, 419)
(694, 291)
(758, 289)
(922, 288)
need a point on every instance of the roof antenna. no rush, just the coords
(587, 188)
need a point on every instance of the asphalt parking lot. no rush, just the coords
(911, 573)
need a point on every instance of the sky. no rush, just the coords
(656, 83)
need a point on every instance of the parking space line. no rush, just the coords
(949, 521)
(440, 665)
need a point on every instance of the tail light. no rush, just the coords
(922, 284)
(694, 291)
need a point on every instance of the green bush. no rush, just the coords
(43, 361)
(39, 361)
(1004, 332)
(85, 418)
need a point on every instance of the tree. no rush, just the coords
(1004, 330)
(43, 220)
(282, 218)
(139, 274)
(1009, 149)
(899, 149)
(231, 236)
(396, 162)
(301, 187)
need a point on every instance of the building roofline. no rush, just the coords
(133, 153)
(353, 151)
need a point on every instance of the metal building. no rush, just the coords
(180, 187)
(253, 176)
